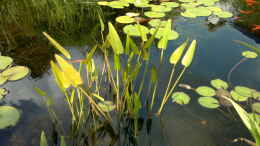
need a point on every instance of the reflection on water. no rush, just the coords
(178, 126)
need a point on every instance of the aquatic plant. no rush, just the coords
(9, 115)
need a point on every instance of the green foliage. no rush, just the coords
(209, 102)
(205, 91)
(180, 98)
(9, 116)
(219, 84)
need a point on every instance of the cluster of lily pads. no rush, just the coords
(9, 115)
(215, 97)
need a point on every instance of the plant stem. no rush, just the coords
(233, 68)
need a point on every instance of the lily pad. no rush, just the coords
(187, 1)
(153, 14)
(9, 116)
(214, 9)
(172, 35)
(238, 97)
(244, 91)
(103, 3)
(209, 102)
(249, 54)
(125, 19)
(5, 61)
(188, 14)
(15, 73)
(156, 22)
(133, 30)
(107, 106)
(223, 14)
(256, 107)
(170, 4)
(205, 91)
(159, 8)
(142, 5)
(256, 95)
(180, 98)
(118, 4)
(3, 92)
(219, 84)
(132, 14)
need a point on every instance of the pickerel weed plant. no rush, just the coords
(113, 91)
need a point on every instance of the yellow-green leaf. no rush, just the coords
(187, 59)
(60, 77)
(69, 71)
(176, 55)
(115, 40)
(57, 45)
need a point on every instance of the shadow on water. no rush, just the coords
(178, 126)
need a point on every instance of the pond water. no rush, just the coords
(178, 126)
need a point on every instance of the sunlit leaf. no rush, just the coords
(153, 14)
(237, 97)
(9, 116)
(244, 91)
(15, 73)
(57, 46)
(256, 107)
(115, 40)
(5, 61)
(43, 140)
(188, 57)
(249, 54)
(219, 84)
(62, 81)
(209, 102)
(180, 98)
(125, 19)
(107, 106)
(176, 55)
(206, 91)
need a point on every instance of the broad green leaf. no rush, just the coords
(176, 55)
(223, 14)
(107, 106)
(3, 93)
(209, 102)
(9, 116)
(256, 95)
(134, 30)
(62, 81)
(242, 113)
(15, 73)
(115, 40)
(249, 54)
(206, 91)
(125, 19)
(132, 14)
(43, 141)
(256, 107)
(3, 79)
(102, 26)
(161, 8)
(171, 34)
(219, 84)
(142, 33)
(188, 57)
(170, 4)
(180, 98)
(238, 97)
(157, 23)
(69, 71)
(244, 91)
(153, 14)
(162, 44)
(57, 45)
(5, 61)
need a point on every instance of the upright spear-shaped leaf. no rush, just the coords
(57, 45)
(115, 40)
(176, 55)
(188, 57)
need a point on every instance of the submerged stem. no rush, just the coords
(233, 68)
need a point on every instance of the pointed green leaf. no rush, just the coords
(115, 40)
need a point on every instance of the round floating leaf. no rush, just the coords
(188, 5)
(223, 14)
(238, 97)
(180, 98)
(159, 8)
(249, 54)
(244, 91)
(132, 14)
(214, 9)
(133, 30)
(15, 73)
(152, 14)
(205, 91)
(171, 35)
(188, 14)
(157, 22)
(5, 61)
(117, 4)
(107, 106)
(9, 116)
(125, 19)
(256, 95)
(209, 102)
(103, 3)
(219, 84)
(170, 4)
(3, 79)
(3, 92)
(256, 107)
(142, 5)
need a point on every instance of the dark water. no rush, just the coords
(191, 125)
